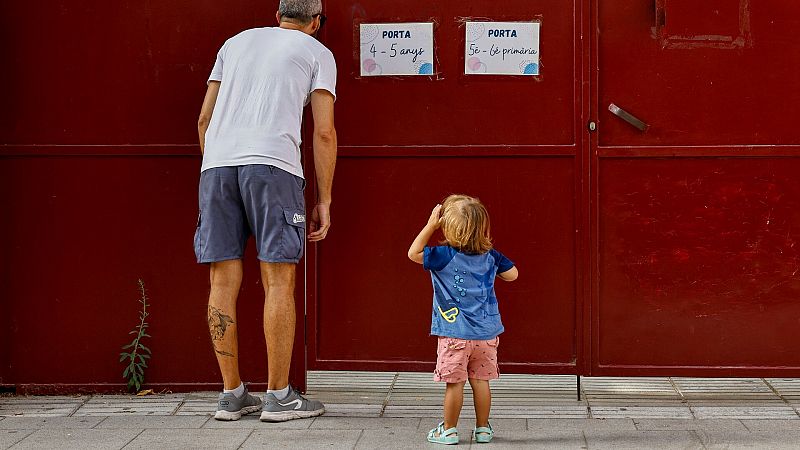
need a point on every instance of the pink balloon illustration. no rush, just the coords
(474, 63)
(370, 65)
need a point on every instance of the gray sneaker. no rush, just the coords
(231, 407)
(294, 406)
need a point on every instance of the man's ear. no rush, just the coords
(316, 25)
(278, 17)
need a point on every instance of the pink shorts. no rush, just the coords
(459, 359)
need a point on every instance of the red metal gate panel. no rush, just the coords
(407, 143)
(696, 222)
(98, 182)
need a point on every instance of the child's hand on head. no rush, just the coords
(417, 249)
(435, 220)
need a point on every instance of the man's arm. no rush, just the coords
(206, 111)
(324, 161)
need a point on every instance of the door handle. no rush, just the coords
(628, 117)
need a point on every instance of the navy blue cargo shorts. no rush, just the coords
(256, 199)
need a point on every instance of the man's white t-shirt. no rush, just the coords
(267, 76)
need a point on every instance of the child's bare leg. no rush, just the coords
(453, 401)
(482, 396)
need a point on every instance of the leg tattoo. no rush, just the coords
(217, 325)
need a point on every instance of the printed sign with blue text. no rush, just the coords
(396, 49)
(502, 48)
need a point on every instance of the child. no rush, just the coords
(465, 314)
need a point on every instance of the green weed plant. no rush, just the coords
(136, 352)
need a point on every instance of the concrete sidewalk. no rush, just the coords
(395, 410)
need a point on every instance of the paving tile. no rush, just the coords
(537, 386)
(357, 397)
(305, 439)
(419, 411)
(252, 421)
(154, 399)
(206, 395)
(44, 399)
(415, 399)
(26, 422)
(351, 410)
(581, 424)
(547, 439)
(763, 424)
(787, 387)
(11, 437)
(663, 440)
(637, 403)
(364, 423)
(737, 402)
(689, 424)
(618, 387)
(396, 440)
(607, 395)
(140, 422)
(766, 440)
(745, 412)
(39, 406)
(184, 439)
(111, 405)
(133, 410)
(506, 425)
(350, 378)
(497, 412)
(737, 388)
(350, 387)
(641, 412)
(197, 408)
(540, 412)
(200, 404)
(72, 439)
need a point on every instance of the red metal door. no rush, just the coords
(406, 143)
(696, 220)
(99, 168)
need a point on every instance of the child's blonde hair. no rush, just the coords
(465, 224)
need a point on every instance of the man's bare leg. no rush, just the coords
(226, 279)
(279, 320)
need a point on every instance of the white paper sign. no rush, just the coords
(396, 49)
(502, 48)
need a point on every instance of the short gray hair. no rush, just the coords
(300, 10)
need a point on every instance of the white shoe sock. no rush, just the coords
(280, 394)
(238, 392)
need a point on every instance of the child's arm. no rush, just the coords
(509, 275)
(415, 252)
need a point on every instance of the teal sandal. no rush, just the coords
(439, 435)
(483, 435)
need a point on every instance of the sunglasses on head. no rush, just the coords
(322, 19)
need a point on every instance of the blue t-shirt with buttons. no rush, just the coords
(464, 302)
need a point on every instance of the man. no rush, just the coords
(252, 183)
